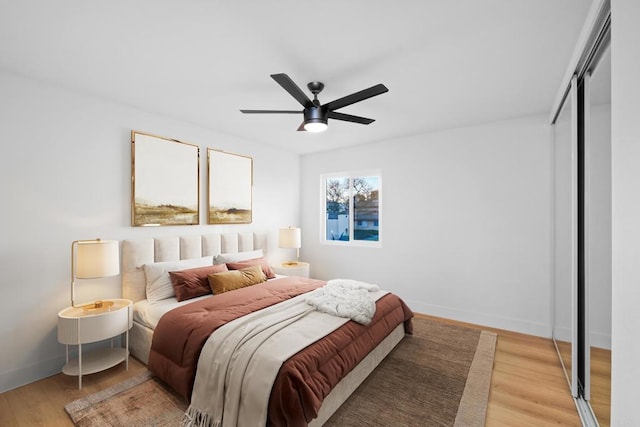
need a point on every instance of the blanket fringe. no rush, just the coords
(195, 418)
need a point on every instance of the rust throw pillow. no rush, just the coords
(262, 262)
(193, 282)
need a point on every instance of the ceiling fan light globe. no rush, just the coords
(315, 126)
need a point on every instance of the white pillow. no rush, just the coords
(157, 278)
(242, 256)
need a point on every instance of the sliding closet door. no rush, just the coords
(582, 225)
(597, 85)
(565, 244)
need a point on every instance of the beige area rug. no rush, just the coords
(440, 376)
(139, 401)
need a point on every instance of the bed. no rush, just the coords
(150, 312)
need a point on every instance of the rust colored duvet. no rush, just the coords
(305, 379)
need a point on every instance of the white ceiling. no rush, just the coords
(447, 63)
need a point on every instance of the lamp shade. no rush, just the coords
(97, 258)
(290, 237)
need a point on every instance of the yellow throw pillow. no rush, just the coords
(236, 279)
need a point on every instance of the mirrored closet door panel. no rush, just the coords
(581, 123)
(598, 233)
(565, 235)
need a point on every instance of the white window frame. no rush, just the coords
(323, 209)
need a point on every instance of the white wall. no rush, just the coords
(625, 158)
(65, 171)
(465, 222)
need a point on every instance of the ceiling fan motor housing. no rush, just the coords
(315, 115)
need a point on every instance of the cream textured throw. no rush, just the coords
(345, 298)
(241, 359)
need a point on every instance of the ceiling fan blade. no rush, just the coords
(301, 128)
(356, 97)
(349, 118)
(293, 89)
(271, 111)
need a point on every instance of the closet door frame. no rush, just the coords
(575, 349)
(587, 186)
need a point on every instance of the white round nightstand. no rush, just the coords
(289, 269)
(77, 326)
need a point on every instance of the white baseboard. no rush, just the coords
(562, 334)
(26, 375)
(484, 319)
(46, 368)
(596, 339)
(600, 340)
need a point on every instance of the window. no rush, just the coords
(351, 208)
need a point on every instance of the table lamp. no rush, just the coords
(290, 237)
(93, 259)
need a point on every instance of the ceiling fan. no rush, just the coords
(315, 114)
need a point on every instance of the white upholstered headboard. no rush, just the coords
(137, 252)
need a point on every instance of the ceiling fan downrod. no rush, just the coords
(315, 88)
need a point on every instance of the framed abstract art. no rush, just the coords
(230, 188)
(165, 183)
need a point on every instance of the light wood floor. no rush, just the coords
(528, 388)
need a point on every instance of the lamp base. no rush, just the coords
(290, 263)
(98, 306)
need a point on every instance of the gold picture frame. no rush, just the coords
(230, 178)
(165, 184)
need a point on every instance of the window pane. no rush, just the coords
(337, 193)
(365, 207)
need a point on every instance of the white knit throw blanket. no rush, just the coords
(241, 359)
(345, 298)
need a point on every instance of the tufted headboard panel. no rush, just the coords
(137, 252)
